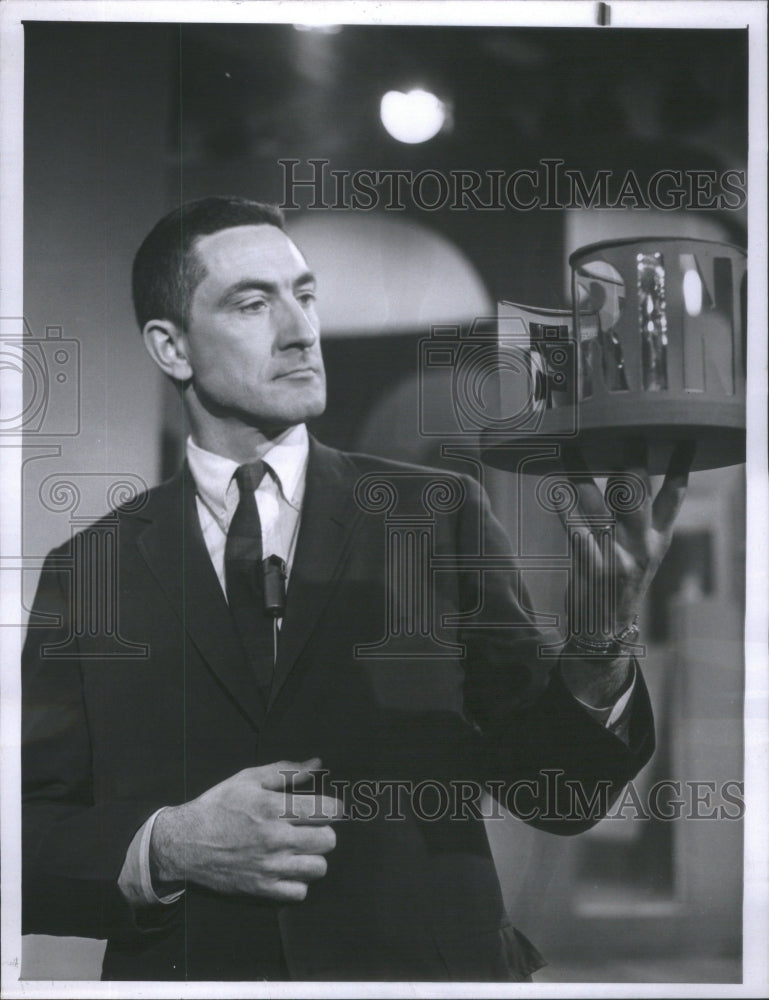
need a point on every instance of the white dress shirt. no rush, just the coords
(278, 497)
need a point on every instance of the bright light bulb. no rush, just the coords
(413, 117)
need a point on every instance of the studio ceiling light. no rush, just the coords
(413, 117)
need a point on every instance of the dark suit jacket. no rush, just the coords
(113, 731)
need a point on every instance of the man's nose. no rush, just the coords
(294, 327)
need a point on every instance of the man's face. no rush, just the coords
(253, 337)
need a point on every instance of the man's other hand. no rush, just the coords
(251, 834)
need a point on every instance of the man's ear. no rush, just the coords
(167, 347)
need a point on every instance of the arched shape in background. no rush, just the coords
(384, 283)
(384, 274)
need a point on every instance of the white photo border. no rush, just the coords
(670, 14)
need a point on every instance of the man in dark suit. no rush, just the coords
(239, 803)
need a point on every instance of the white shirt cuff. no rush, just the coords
(135, 880)
(610, 715)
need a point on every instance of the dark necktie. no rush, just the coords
(244, 576)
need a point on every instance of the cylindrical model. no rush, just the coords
(656, 347)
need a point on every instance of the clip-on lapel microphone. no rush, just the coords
(274, 595)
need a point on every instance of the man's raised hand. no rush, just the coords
(609, 581)
(612, 569)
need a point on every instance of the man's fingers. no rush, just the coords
(585, 547)
(289, 891)
(303, 867)
(590, 498)
(311, 809)
(629, 493)
(285, 774)
(301, 807)
(671, 495)
(310, 839)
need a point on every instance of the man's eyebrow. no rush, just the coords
(254, 285)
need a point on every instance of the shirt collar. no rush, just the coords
(286, 459)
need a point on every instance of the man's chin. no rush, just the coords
(289, 417)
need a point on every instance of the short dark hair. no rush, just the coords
(166, 270)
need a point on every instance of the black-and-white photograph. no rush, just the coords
(384, 421)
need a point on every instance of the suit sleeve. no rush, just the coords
(74, 841)
(532, 733)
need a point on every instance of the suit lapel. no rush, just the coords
(174, 549)
(329, 519)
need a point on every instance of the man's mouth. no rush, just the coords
(303, 372)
